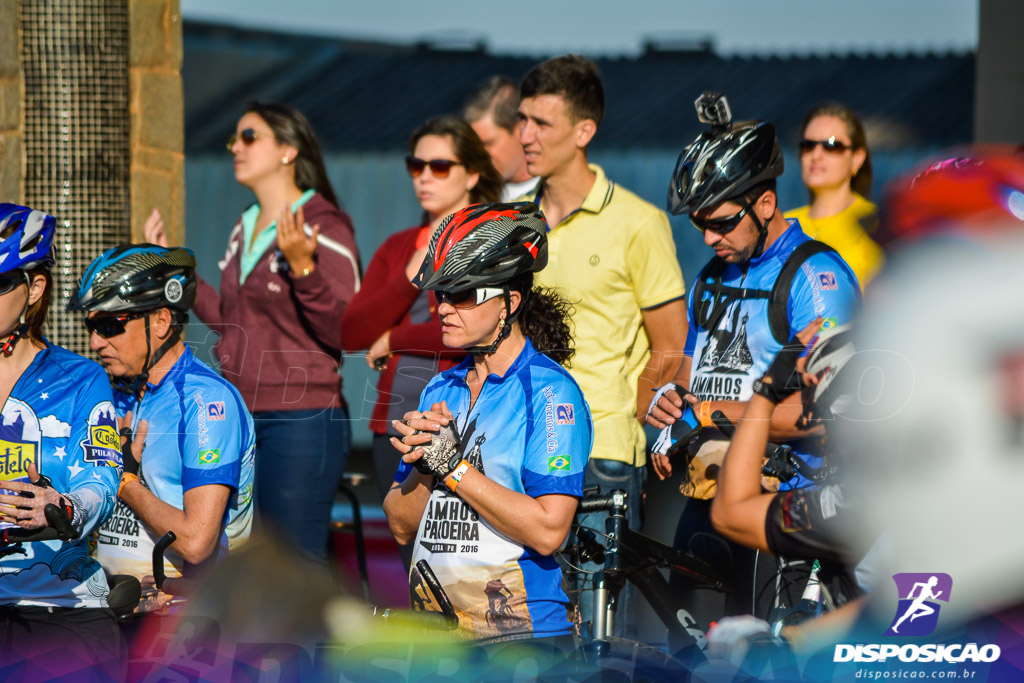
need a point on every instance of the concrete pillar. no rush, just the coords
(999, 81)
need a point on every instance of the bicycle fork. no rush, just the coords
(606, 588)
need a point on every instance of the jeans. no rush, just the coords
(300, 458)
(611, 475)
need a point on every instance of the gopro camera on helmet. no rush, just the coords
(713, 108)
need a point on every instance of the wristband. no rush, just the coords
(705, 414)
(453, 479)
(125, 478)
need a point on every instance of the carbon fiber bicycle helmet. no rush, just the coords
(26, 238)
(486, 245)
(138, 277)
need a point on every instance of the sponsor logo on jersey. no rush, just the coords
(201, 405)
(215, 410)
(102, 445)
(564, 414)
(549, 419)
(828, 281)
(209, 456)
(559, 462)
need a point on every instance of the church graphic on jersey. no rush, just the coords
(727, 350)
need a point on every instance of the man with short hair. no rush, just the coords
(767, 282)
(194, 475)
(493, 112)
(612, 256)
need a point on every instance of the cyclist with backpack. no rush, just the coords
(767, 281)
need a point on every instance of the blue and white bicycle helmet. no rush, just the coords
(26, 238)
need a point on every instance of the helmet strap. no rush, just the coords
(762, 230)
(504, 324)
(22, 328)
(134, 385)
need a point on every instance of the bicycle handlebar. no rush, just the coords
(782, 461)
(599, 503)
(158, 557)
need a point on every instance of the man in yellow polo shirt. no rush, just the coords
(611, 255)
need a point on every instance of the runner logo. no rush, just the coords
(918, 613)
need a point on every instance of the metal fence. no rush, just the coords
(377, 193)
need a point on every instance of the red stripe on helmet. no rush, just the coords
(460, 230)
(532, 248)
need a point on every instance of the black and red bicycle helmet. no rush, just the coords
(485, 245)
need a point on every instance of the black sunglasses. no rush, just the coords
(247, 136)
(110, 327)
(719, 226)
(830, 145)
(440, 168)
(11, 281)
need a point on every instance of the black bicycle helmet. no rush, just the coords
(724, 161)
(486, 245)
(138, 277)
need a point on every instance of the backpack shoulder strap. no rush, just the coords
(778, 301)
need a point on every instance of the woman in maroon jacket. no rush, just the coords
(399, 324)
(290, 270)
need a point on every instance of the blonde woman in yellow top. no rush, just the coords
(836, 169)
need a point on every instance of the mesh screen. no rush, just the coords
(75, 60)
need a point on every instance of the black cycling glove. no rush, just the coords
(131, 465)
(442, 455)
(781, 379)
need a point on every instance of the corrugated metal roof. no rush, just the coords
(370, 96)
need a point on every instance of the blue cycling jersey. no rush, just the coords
(200, 433)
(60, 418)
(728, 359)
(530, 431)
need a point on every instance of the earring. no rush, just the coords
(501, 323)
(285, 160)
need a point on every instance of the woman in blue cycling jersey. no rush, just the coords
(493, 459)
(60, 464)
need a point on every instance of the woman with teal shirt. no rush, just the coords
(290, 270)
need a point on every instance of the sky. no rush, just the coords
(621, 27)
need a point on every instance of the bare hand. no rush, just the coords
(806, 336)
(413, 421)
(27, 512)
(380, 349)
(297, 247)
(153, 230)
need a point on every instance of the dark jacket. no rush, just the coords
(279, 341)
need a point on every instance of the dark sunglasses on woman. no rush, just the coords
(111, 326)
(10, 281)
(830, 145)
(247, 136)
(440, 168)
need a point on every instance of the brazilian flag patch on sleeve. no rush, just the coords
(210, 456)
(558, 462)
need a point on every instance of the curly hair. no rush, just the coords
(545, 320)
